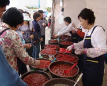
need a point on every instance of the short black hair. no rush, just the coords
(13, 17)
(67, 19)
(36, 15)
(4, 3)
(87, 14)
(40, 11)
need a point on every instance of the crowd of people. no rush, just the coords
(21, 38)
(32, 35)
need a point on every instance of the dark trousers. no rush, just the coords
(21, 67)
(30, 51)
(43, 42)
(36, 51)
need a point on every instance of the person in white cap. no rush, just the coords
(26, 29)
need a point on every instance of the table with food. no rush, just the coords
(54, 73)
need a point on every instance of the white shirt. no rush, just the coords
(66, 30)
(98, 37)
(98, 41)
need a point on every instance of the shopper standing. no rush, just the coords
(93, 47)
(42, 23)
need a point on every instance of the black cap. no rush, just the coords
(40, 11)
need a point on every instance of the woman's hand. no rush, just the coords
(70, 47)
(44, 24)
(27, 46)
(38, 62)
(32, 36)
(22, 32)
(55, 36)
(41, 39)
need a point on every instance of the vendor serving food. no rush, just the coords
(93, 47)
(67, 29)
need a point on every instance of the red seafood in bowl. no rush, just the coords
(66, 43)
(63, 50)
(44, 63)
(48, 52)
(57, 69)
(52, 46)
(67, 57)
(35, 78)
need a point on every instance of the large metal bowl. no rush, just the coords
(60, 81)
(64, 45)
(62, 62)
(48, 55)
(53, 42)
(70, 55)
(42, 69)
(37, 71)
(51, 46)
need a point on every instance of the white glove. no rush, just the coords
(69, 47)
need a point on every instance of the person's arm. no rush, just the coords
(35, 26)
(76, 46)
(99, 37)
(79, 45)
(40, 23)
(21, 53)
(27, 45)
(78, 31)
(65, 30)
(8, 76)
(60, 31)
(36, 29)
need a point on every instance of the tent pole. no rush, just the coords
(52, 18)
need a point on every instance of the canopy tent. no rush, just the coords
(73, 7)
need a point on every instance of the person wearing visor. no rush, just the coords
(21, 66)
(26, 30)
